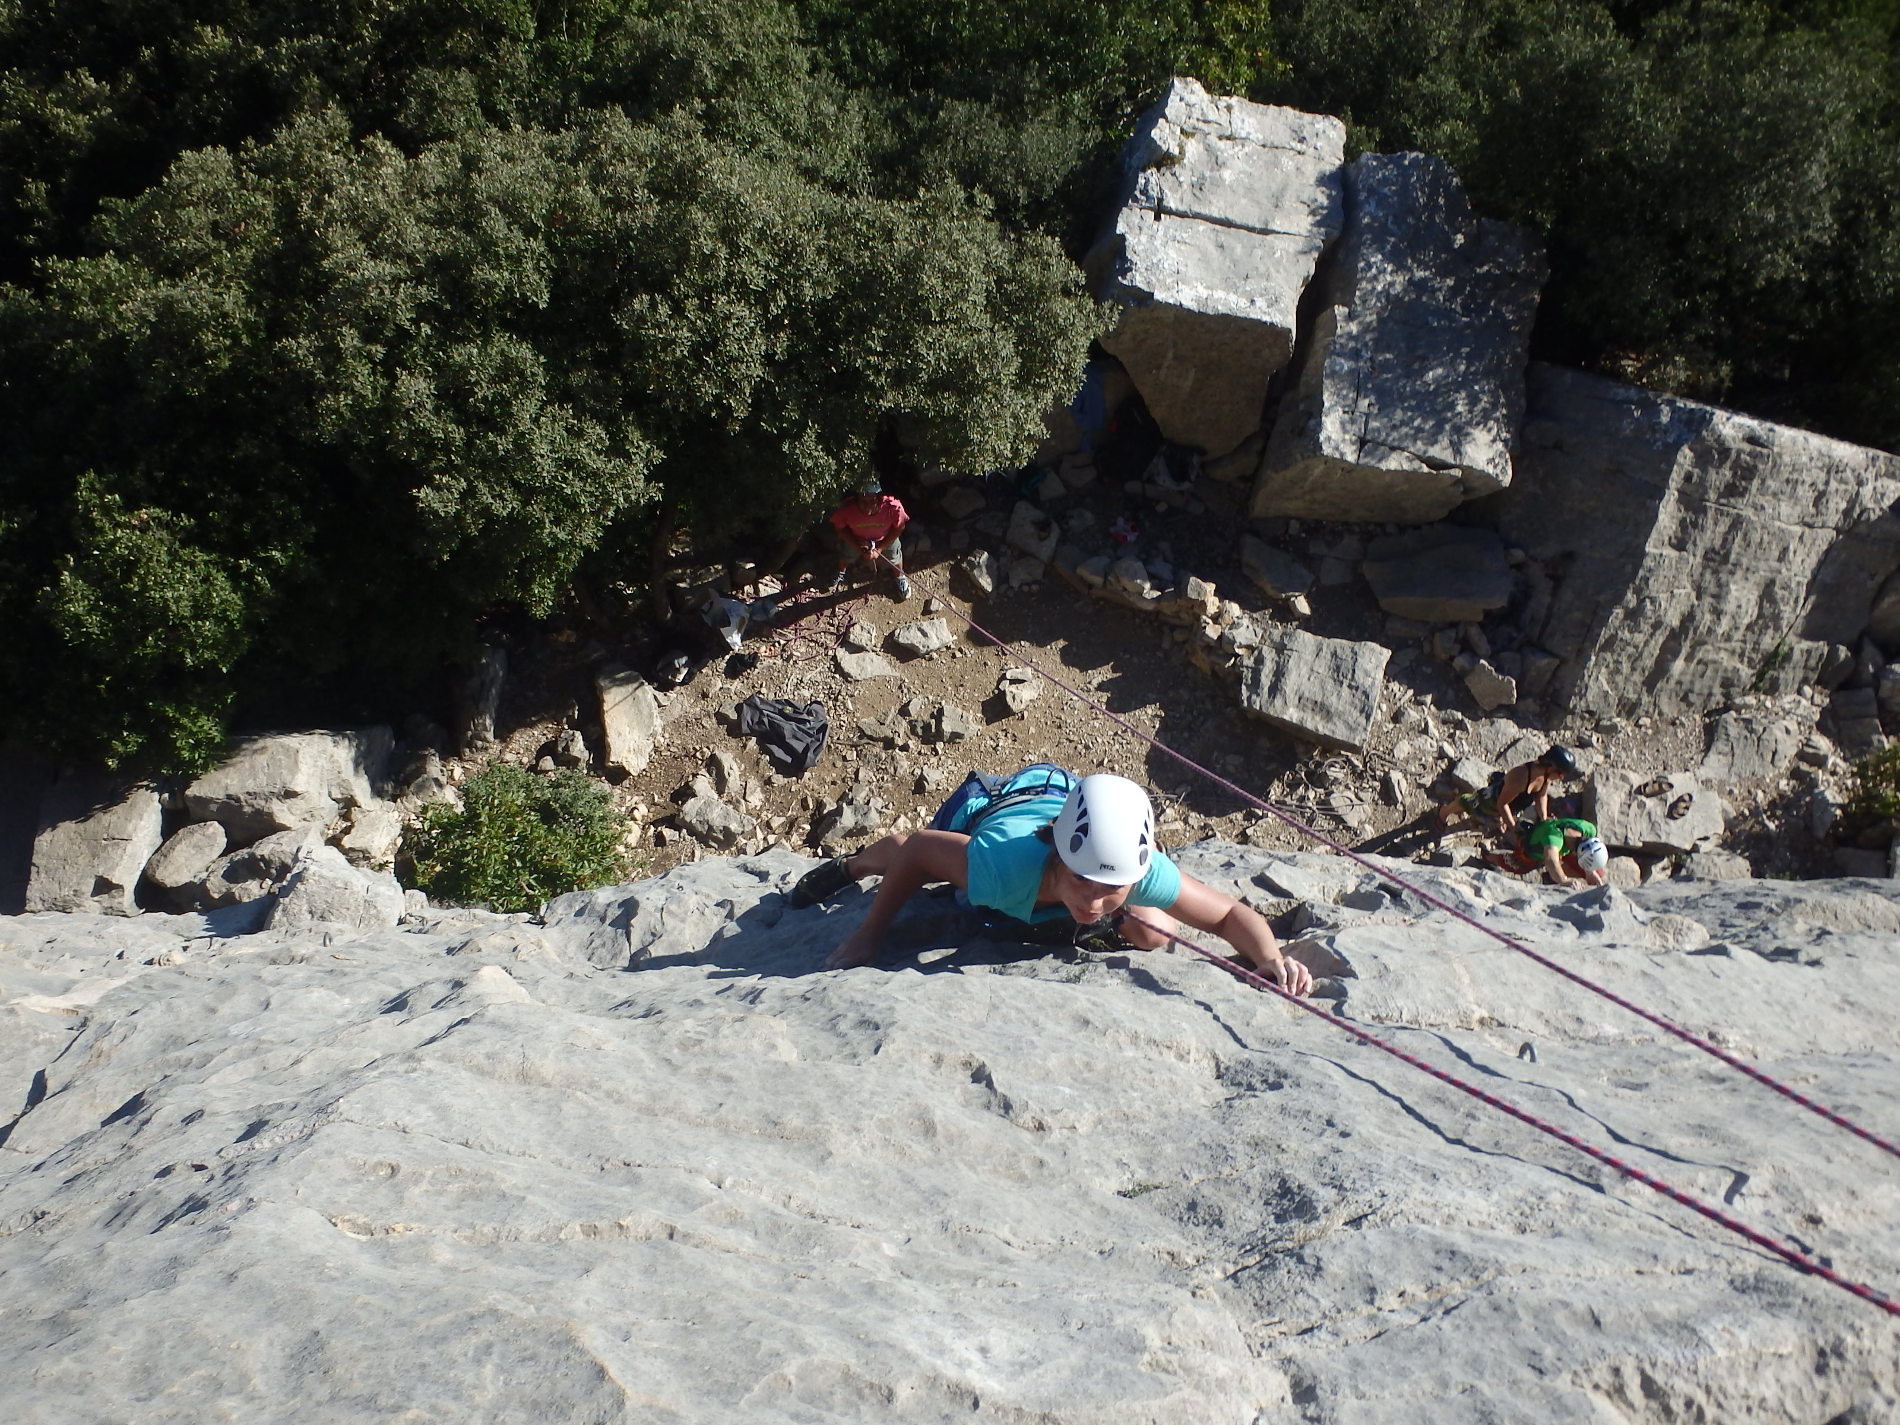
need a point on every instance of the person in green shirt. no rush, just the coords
(1567, 848)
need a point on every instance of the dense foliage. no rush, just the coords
(517, 840)
(326, 330)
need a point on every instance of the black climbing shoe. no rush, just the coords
(1103, 937)
(821, 884)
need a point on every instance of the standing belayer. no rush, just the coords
(864, 531)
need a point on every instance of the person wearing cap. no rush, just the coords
(865, 529)
(1043, 847)
(1497, 800)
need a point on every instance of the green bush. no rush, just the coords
(518, 840)
(1877, 786)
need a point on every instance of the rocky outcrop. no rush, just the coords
(474, 1169)
(1228, 205)
(1408, 399)
(1697, 553)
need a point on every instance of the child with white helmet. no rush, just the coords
(1040, 847)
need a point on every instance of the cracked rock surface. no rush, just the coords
(638, 1159)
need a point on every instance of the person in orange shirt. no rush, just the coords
(865, 529)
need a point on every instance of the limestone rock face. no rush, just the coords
(286, 780)
(1409, 399)
(95, 835)
(1228, 205)
(1324, 690)
(1702, 552)
(473, 1168)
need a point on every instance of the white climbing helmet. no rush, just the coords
(1592, 854)
(1106, 831)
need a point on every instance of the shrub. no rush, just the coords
(518, 840)
(1877, 786)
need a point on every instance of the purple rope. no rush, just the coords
(1667, 1026)
(1794, 1258)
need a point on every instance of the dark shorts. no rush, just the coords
(848, 551)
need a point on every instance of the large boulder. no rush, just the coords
(1698, 553)
(95, 835)
(1227, 206)
(182, 863)
(1409, 397)
(629, 719)
(324, 889)
(1439, 574)
(1323, 690)
(279, 781)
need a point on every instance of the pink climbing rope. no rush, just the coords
(1790, 1255)
(1666, 1025)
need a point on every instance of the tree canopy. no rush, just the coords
(327, 329)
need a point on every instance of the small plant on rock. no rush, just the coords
(517, 840)
(1877, 787)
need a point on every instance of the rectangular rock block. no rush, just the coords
(1322, 690)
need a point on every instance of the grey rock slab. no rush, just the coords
(1410, 396)
(1749, 745)
(1227, 206)
(96, 832)
(251, 872)
(1641, 505)
(962, 501)
(371, 836)
(629, 718)
(1323, 690)
(280, 781)
(980, 569)
(1660, 814)
(860, 667)
(924, 637)
(1490, 688)
(1439, 574)
(1018, 688)
(981, 1181)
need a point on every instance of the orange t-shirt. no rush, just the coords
(884, 519)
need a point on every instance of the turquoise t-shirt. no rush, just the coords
(1006, 862)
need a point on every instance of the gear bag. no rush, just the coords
(791, 735)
